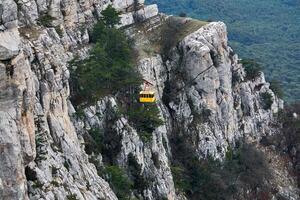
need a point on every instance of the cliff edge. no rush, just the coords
(203, 96)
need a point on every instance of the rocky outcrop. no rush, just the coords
(226, 106)
(43, 143)
(42, 157)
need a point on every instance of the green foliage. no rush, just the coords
(99, 33)
(229, 154)
(72, 197)
(267, 100)
(107, 143)
(210, 179)
(145, 118)
(276, 88)
(55, 183)
(37, 184)
(288, 139)
(59, 31)
(155, 159)
(67, 165)
(271, 36)
(119, 182)
(94, 141)
(252, 68)
(182, 14)
(107, 70)
(110, 16)
(181, 179)
(46, 20)
(235, 78)
(250, 165)
(290, 136)
(140, 183)
(54, 170)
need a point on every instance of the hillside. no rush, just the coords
(72, 126)
(267, 31)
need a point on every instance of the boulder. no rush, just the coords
(126, 19)
(147, 12)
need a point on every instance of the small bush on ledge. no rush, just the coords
(252, 68)
(267, 100)
(119, 181)
(276, 88)
(46, 20)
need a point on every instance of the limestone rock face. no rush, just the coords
(9, 44)
(125, 4)
(8, 14)
(42, 151)
(131, 145)
(44, 140)
(16, 126)
(223, 105)
(147, 12)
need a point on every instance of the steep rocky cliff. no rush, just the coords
(203, 97)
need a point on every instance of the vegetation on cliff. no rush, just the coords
(109, 67)
(244, 168)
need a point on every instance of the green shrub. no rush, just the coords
(145, 118)
(46, 20)
(235, 78)
(211, 179)
(155, 159)
(140, 183)
(54, 171)
(267, 100)
(72, 197)
(67, 165)
(107, 143)
(55, 183)
(107, 70)
(250, 165)
(180, 178)
(110, 16)
(119, 182)
(182, 14)
(252, 68)
(94, 141)
(276, 88)
(37, 184)
(59, 31)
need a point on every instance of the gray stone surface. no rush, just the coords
(40, 132)
(8, 11)
(9, 44)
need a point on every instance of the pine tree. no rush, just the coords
(110, 16)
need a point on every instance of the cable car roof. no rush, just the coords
(147, 92)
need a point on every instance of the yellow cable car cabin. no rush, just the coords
(147, 96)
